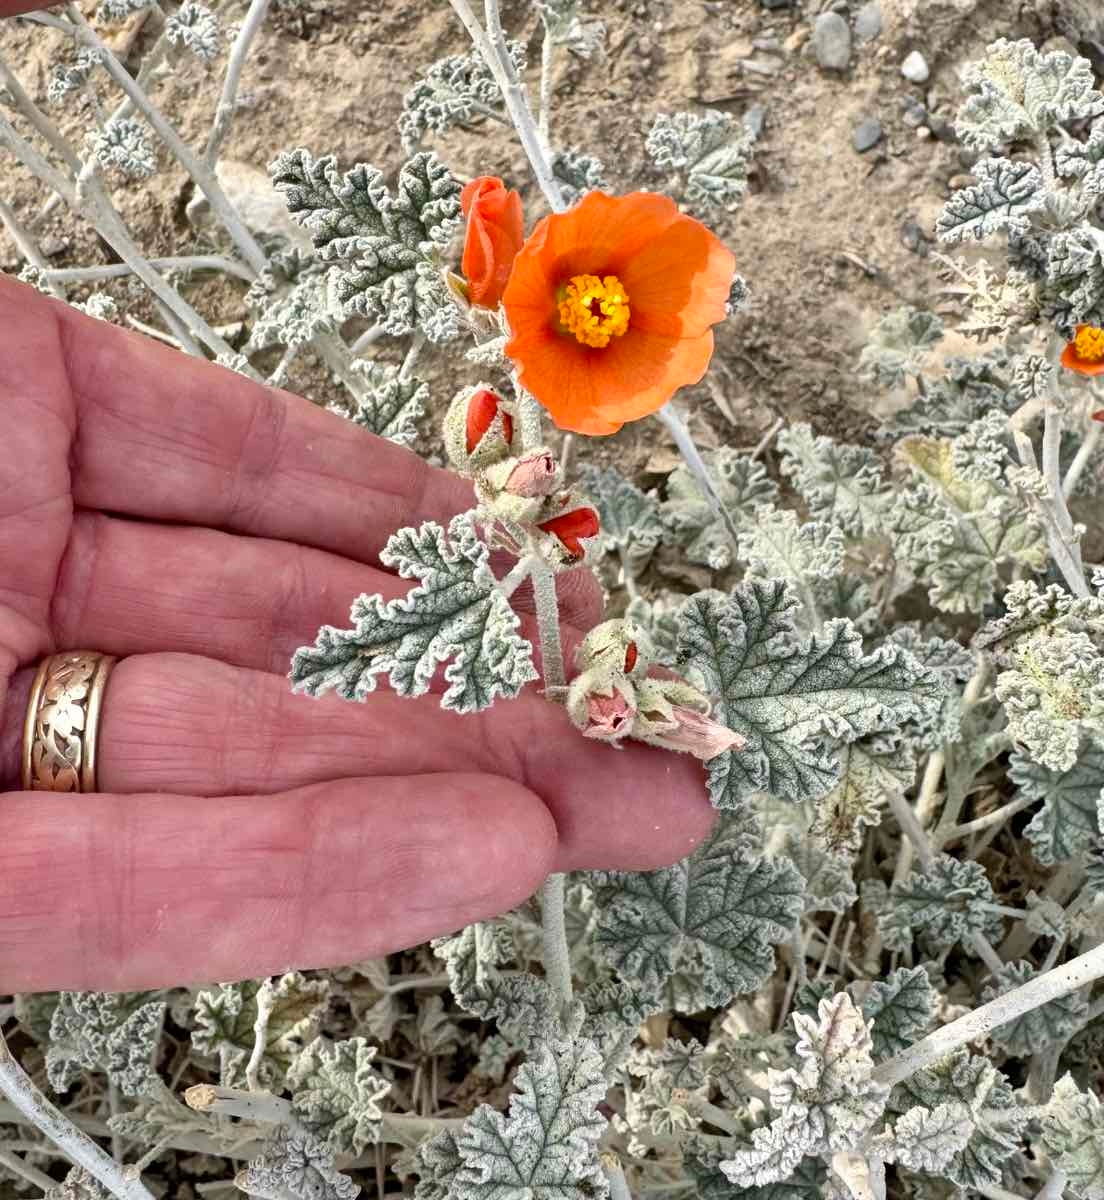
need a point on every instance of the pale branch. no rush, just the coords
(17, 1086)
(228, 100)
(185, 262)
(975, 1025)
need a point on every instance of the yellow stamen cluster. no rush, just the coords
(1089, 344)
(595, 310)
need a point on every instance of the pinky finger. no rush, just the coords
(110, 893)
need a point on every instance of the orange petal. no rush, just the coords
(495, 234)
(638, 380)
(678, 285)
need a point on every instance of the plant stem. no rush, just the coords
(548, 58)
(977, 1024)
(618, 1184)
(234, 1102)
(417, 342)
(557, 956)
(997, 817)
(518, 574)
(227, 104)
(492, 49)
(26, 246)
(24, 1170)
(548, 626)
(1085, 451)
(692, 457)
(203, 177)
(187, 262)
(16, 1085)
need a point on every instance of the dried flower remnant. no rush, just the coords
(611, 307)
(495, 232)
(1085, 353)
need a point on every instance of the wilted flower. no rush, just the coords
(611, 306)
(496, 230)
(534, 474)
(1085, 354)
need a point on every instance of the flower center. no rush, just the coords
(1090, 343)
(594, 309)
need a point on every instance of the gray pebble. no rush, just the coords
(914, 114)
(754, 120)
(775, 3)
(915, 68)
(832, 41)
(867, 134)
(868, 21)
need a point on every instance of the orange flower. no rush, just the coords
(611, 306)
(496, 230)
(1085, 354)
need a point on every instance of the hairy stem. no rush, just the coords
(548, 627)
(557, 957)
(491, 45)
(615, 1176)
(239, 52)
(977, 1024)
(17, 1086)
(27, 246)
(548, 59)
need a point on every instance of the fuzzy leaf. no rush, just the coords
(629, 518)
(196, 28)
(1075, 279)
(1070, 819)
(122, 145)
(829, 886)
(710, 149)
(827, 1105)
(1006, 194)
(1052, 1022)
(983, 1091)
(778, 546)
(1073, 1133)
(295, 1165)
(457, 90)
(577, 173)
(899, 344)
(1020, 92)
(948, 901)
(925, 1139)
(842, 485)
(225, 1017)
(871, 769)
(393, 405)
(437, 1163)
(794, 699)
(456, 612)
(806, 1183)
(336, 1093)
(743, 486)
(116, 1033)
(298, 316)
(384, 247)
(712, 913)
(546, 1146)
(900, 1008)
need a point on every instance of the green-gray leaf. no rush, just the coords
(456, 612)
(1006, 193)
(1071, 819)
(712, 913)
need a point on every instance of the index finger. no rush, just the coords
(162, 435)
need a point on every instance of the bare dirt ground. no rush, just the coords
(828, 238)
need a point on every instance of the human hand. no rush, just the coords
(159, 508)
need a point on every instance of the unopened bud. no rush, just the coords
(479, 429)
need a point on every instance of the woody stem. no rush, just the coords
(693, 459)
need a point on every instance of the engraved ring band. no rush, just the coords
(63, 720)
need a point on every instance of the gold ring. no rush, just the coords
(63, 722)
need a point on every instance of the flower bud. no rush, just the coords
(515, 489)
(570, 531)
(603, 707)
(674, 715)
(619, 644)
(534, 474)
(495, 233)
(479, 429)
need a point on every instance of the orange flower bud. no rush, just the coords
(482, 410)
(1098, 416)
(570, 528)
(495, 234)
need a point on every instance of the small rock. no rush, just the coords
(914, 114)
(915, 68)
(775, 3)
(959, 181)
(754, 120)
(915, 239)
(262, 208)
(51, 247)
(867, 134)
(868, 21)
(832, 42)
